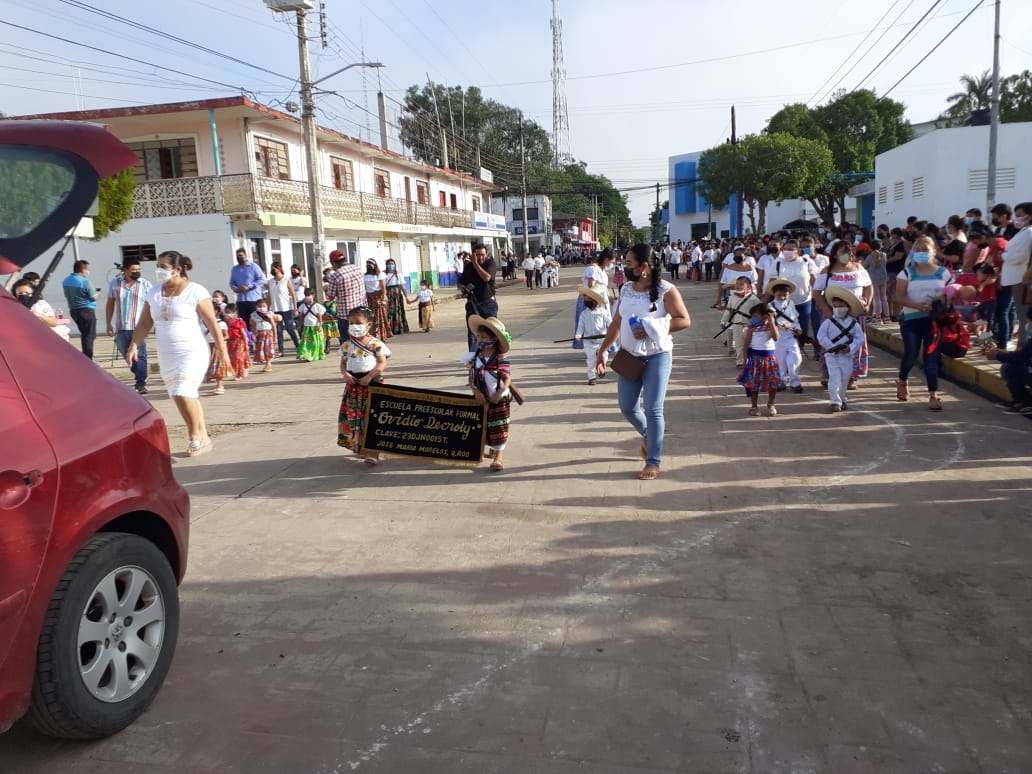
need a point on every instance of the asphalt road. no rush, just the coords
(803, 593)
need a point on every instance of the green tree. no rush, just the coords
(1016, 97)
(977, 95)
(721, 171)
(114, 203)
(781, 166)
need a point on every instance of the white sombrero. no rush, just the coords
(496, 326)
(594, 294)
(856, 306)
(769, 290)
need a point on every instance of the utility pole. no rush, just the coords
(739, 204)
(523, 188)
(657, 232)
(994, 116)
(311, 148)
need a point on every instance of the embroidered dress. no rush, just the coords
(313, 342)
(331, 329)
(216, 368)
(264, 339)
(396, 305)
(236, 343)
(761, 372)
(486, 375)
(381, 328)
(360, 358)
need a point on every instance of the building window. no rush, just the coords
(343, 174)
(917, 187)
(165, 159)
(442, 198)
(271, 158)
(476, 204)
(517, 214)
(422, 192)
(381, 183)
(883, 195)
(532, 213)
(138, 253)
(350, 250)
(275, 250)
(454, 202)
(897, 191)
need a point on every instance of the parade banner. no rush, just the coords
(442, 426)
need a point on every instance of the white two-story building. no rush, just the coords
(215, 175)
(536, 221)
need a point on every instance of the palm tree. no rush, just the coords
(977, 95)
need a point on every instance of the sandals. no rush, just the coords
(902, 390)
(649, 473)
(496, 464)
(370, 461)
(934, 402)
(197, 447)
(218, 391)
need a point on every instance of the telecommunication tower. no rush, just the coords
(560, 115)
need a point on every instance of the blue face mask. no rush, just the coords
(807, 251)
(969, 221)
(921, 257)
(1028, 330)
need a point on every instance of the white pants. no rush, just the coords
(840, 371)
(789, 357)
(591, 347)
(738, 341)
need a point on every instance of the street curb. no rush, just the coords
(971, 372)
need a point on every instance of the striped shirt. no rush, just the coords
(129, 301)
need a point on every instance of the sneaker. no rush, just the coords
(845, 406)
(797, 389)
(835, 408)
(592, 382)
(754, 412)
(782, 388)
(770, 411)
(141, 388)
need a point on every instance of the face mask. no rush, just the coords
(841, 311)
(1028, 329)
(26, 300)
(262, 310)
(921, 257)
(969, 221)
(844, 258)
(788, 255)
(807, 251)
(630, 274)
(390, 267)
(134, 275)
(162, 275)
(357, 331)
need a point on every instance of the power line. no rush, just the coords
(898, 44)
(943, 40)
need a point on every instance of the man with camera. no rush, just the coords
(477, 283)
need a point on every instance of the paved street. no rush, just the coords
(804, 593)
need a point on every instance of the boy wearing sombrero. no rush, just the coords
(490, 379)
(786, 318)
(840, 336)
(592, 326)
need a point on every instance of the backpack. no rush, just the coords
(951, 336)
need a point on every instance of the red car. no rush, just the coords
(93, 524)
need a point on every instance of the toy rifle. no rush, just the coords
(583, 338)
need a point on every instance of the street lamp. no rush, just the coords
(301, 8)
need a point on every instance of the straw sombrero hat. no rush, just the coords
(769, 290)
(496, 326)
(594, 294)
(856, 306)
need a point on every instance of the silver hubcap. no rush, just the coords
(120, 634)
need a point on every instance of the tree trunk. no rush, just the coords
(841, 201)
(752, 214)
(825, 206)
(762, 205)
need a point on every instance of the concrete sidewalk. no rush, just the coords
(803, 593)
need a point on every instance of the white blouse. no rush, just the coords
(635, 302)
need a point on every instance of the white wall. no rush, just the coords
(951, 164)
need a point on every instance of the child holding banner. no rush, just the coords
(490, 379)
(363, 359)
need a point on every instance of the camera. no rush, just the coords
(469, 290)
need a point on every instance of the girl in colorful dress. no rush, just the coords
(425, 299)
(263, 325)
(330, 326)
(376, 298)
(216, 367)
(236, 342)
(490, 378)
(395, 300)
(363, 359)
(761, 372)
(313, 342)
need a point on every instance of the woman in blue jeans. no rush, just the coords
(657, 308)
(918, 286)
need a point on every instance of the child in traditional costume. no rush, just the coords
(263, 325)
(236, 342)
(425, 299)
(736, 317)
(490, 379)
(786, 318)
(363, 359)
(313, 342)
(761, 373)
(840, 337)
(594, 321)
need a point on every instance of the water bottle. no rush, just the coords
(635, 322)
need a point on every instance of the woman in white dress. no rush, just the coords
(176, 308)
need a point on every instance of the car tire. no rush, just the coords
(97, 667)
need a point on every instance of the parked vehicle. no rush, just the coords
(93, 525)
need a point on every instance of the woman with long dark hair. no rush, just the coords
(376, 299)
(648, 310)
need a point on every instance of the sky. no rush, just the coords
(646, 80)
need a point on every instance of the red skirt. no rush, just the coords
(761, 372)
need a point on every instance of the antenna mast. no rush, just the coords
(560, 115)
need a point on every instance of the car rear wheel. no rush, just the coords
(107, 639)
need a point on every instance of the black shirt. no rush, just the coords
(481, 290)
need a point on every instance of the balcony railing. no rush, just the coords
(256, 195)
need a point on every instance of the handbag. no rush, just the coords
(628, 366)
